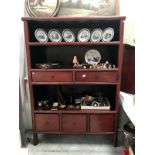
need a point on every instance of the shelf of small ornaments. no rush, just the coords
(105, 65)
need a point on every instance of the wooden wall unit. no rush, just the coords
(43, 83)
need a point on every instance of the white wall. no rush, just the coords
(127, 8)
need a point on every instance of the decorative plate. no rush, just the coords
(96, 35)
(42, 8)
(108, 34)
(48, 65)
(41, 35)
(92, 56)
(54, 35)
(68, 35)
(83, 35)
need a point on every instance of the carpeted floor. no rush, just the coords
(74, 145)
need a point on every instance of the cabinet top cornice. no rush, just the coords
(71, 18)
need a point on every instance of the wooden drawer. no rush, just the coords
(47, 122)
(96, 76)
(74, 123)
(52, 76)
(102, 123)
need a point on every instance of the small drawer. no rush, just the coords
(47, 122)
(73, 123)
(52, 76)
(96, 76)
(102, 123)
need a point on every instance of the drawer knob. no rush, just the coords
(84, 75)
(33, 73)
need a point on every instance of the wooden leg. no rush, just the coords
(115, 140)
(35, 138)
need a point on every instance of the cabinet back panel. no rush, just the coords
(65, 54)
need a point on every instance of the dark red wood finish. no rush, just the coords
(47, 122)
(78, 19)
(74, 123)
(52, 76)
(128, 69)
(96, 76)
(73, 43)
(102, 123)
(80, 121)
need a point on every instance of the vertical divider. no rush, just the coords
(60, 121)
(88, 123)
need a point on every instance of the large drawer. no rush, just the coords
(47, 122)
(102, 123)
(96, 76)
(52, 76)
(74, 123)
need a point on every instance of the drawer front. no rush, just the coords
(96, 76)
(73, 123)
(47, 122)
(52, 76)
(102, 123)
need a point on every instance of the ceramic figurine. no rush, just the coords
(110, 66)
(75, 61)
(113, 66)
(94, 66)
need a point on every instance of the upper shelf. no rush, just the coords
(73, 43)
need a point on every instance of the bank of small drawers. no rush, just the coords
(75, 123)
(80, 76)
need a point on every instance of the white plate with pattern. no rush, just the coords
(92, 56)
(41, 35)
(54, 35)
(68, 35)
(108, 34)
(83, 35)
(96, 35)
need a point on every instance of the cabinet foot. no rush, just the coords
(35, 139)
(115, 140)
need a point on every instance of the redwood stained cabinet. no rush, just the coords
(43, 83)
